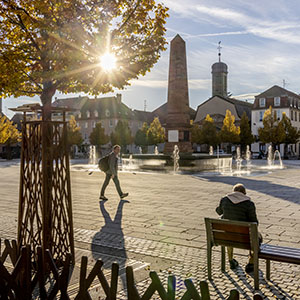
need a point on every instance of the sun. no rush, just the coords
(108, 62)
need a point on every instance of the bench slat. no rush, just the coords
(231, 228)
(232, 237)
(233, 244)
(268, 247)
(281, 254)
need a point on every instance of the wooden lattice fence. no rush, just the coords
(19, 280)
(45, 208)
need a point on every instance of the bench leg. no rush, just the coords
(256, 275)
(223, 258)
(268, 269)
(209, 251)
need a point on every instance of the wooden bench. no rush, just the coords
(244, 235)
(278, 253)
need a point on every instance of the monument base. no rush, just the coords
(184, 147)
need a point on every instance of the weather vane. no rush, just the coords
(219, 48)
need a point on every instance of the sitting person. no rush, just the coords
(238, 206)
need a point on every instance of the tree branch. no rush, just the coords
(29, 92)
(32, 80)
(129, 17)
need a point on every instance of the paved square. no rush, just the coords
(161, 226)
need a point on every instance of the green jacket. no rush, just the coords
(112, 164)
(238, 207)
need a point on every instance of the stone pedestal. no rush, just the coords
(178, 118)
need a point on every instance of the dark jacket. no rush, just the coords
(238, 207)
(112, 164)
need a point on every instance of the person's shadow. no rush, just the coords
(108, 243)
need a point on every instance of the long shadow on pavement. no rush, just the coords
(275, 289)
(108, 243)
(273, 189)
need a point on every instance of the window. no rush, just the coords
(262, 102)
(111, 123)
(88, 114)
(77, 123)
(261, 115)
(295, 116)
(96, 114)
(278, 114)
(79, 115)
(292, 115)
(86, 125)
(276, 101)
(107, 113)
(94, 124)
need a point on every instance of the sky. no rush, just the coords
(260, 42)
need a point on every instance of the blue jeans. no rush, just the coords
(106, 182)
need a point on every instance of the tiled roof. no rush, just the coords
(276, 91)
(240, 105)
(108, 107)
(75, 102)
(162, 112)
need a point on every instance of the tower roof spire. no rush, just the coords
(219, 48)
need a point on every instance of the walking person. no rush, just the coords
(112, 173)
(238, 206)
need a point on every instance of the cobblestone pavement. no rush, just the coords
(161, 226)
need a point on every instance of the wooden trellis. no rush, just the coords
(23, 283)
(45, 207)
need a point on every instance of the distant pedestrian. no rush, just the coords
(112, 172)
(238, 206)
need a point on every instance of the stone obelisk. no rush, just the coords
(178, 118)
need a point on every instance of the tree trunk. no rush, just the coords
(47, 157)
(8, 152)
(46, 98)
(285, 153)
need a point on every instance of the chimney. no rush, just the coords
(119, 98)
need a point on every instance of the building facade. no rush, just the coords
(220, 102)
(216, 107)
(107, 110)
(282, 101)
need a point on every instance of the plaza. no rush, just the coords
(160, 227)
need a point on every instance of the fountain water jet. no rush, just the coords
(238, 159)
(176, 158)
(272, 157)
(156, 150)
(211, 150)
(248, 156)
(92, 155)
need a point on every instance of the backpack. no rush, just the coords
(103, 163)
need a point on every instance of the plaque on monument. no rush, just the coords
(173, 136)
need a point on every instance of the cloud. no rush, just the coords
(193, 36)
(249, 96)
(199, 84)
(283, 28)
(150, 83)
(194, 84)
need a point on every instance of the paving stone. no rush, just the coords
(161, 228)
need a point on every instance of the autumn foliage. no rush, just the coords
(49, 46)
(9, 134)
